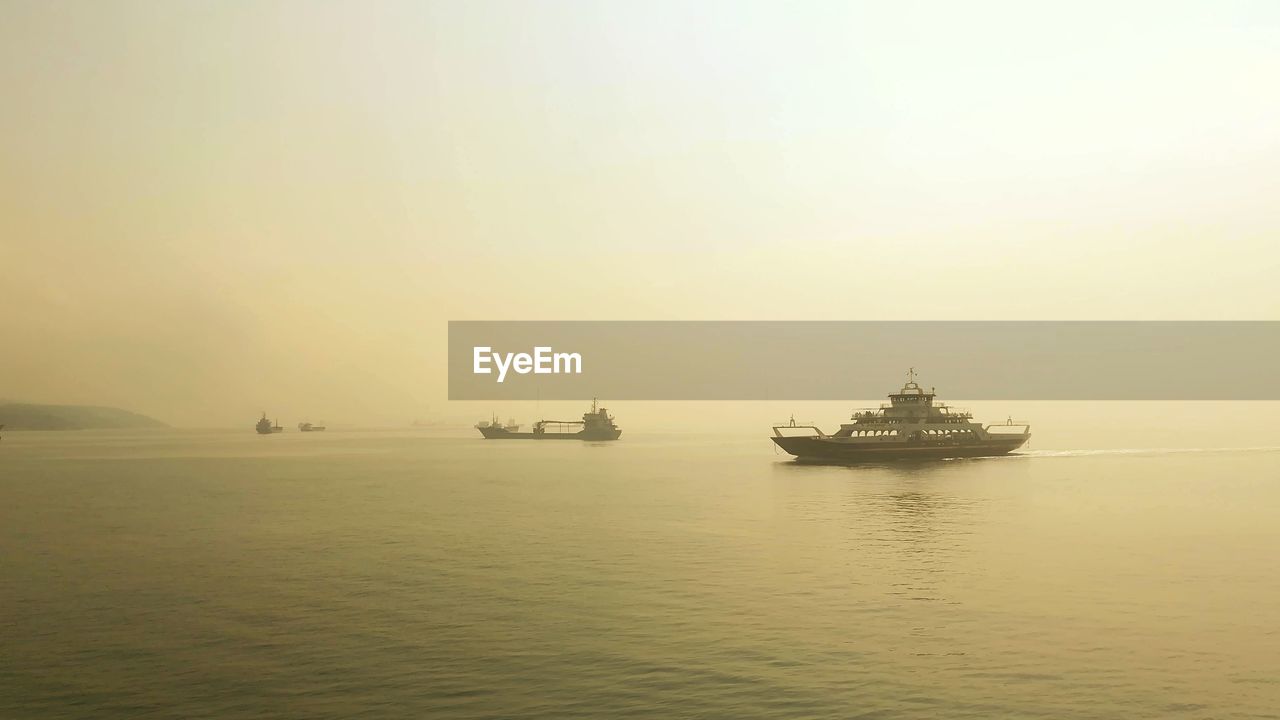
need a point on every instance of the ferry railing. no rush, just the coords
(1008, 428)
(946, 410)
(793, 425)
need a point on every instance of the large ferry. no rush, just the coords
(910, 425)
(594, 425)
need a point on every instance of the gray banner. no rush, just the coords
(785, 360)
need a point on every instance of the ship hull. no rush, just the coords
(812, 449)
(501, 434)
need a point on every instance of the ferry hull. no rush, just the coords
(501, 434)
(813, 449)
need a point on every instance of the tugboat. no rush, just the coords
(265, 426)
(595, 425)
(910, 425)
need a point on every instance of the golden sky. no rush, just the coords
(208, 208)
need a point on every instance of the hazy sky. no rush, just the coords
(212, 208)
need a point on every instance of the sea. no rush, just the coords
(428, 573)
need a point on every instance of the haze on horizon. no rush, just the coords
(210, 209)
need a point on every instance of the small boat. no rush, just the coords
(308, 427)
(267, 427)
(910, 425)
(494, 426)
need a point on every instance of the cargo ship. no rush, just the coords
(594, 425)
(910, 425)
(266, 427)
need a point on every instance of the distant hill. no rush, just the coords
(25, 416)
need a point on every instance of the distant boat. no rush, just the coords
(266, 427)
(308, 427)
(495, 426)
(594, 425)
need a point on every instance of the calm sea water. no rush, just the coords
(394, 575)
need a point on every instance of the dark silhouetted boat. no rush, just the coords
(594, 425)
(266, 427)
(308, 427)
(910, 425)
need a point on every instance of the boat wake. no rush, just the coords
(1136, 451)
